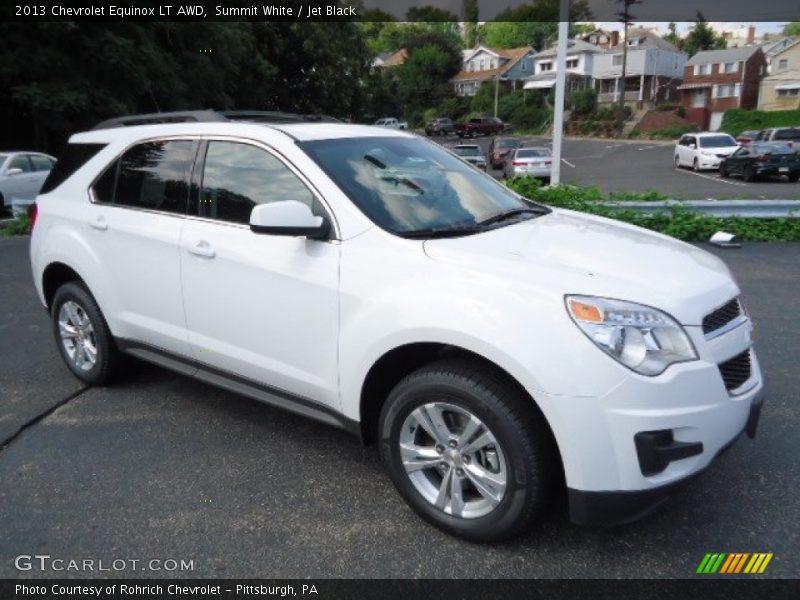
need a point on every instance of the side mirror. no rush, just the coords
(12, 172)
(290, 218)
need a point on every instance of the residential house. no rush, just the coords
(775, 47)
(716, 81)
(602, 38)
(509, 67)
(654, 69)
(387, 60)
(781, 89)
(580, 60)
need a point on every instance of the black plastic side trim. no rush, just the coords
(656, 449)
(239, 385)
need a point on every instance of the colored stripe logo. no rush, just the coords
(734, 563)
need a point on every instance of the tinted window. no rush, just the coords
(155, 176)
(236, 177)
(41, 163)
(407, 185)
(787, 134)
(72, 159)
(507, 144)
(104, 187)
(717, 141)
(20, 161)
(773, 149)
(467, 151)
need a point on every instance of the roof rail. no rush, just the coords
(205, 116)
(185, 116)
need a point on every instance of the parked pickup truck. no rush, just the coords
(480, 126)
(391, 123)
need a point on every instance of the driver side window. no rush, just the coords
(237, 176)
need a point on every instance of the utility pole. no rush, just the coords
(561, 84)
(625, 18)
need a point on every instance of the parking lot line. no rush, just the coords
(711, 178)
(566, 162)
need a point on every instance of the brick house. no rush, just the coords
(715, 81)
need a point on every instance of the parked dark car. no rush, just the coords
(480, 126)
(500, 148)
(747, 137)
(762, 160)
(780, 134)
(440, 126)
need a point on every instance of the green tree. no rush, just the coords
(529, 25)
(422, 78)
(702, 37)
(673, 37)
(470, 16)
(429, 14)
(792, 29)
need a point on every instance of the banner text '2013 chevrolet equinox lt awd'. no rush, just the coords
(373, 280)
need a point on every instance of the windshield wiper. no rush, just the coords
(514, 212)
(441, 232)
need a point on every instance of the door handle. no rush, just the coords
(204, 249)
(99, 223)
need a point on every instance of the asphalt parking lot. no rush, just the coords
(164, 467)
(637, 166)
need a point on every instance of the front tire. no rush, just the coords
(749, 174)
(83, 337)
(696, 166)
(467, 451)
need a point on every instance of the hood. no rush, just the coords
(725, 150)
(572, 253)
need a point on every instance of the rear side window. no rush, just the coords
(153, 175)
(21, 162)
(787, 134)
(41, 163)
(72, 159)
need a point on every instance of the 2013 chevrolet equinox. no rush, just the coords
(375, 281)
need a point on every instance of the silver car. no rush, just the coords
(471, 153)
(530, 162)
(22, 175)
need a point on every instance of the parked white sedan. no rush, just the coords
(22, 175)
(704, 150)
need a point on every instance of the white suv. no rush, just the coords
(375, 281)
(703, 151)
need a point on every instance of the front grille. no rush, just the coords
(722, 316)
(736, 371)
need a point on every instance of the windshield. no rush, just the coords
(532, 152)
(467, 150)
(408, 185)
(507, 144)
(716, 141)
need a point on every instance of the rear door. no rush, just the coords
(22, 184)
(139, 207)
(262, 307)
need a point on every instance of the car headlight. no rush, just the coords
(644, 339)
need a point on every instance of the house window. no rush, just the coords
(616, 60)
(727, 91)
(730, 67)
(783, 64)
(546, 66)
(482, 65)
(633, 42)
(703, 70)
(524, 65)
(572, 63)
(792, 93)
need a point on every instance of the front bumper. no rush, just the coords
(607, 509)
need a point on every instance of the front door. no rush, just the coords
(699, 98)
(262, 307)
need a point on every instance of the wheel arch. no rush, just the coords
(54, 276)
(401, 361)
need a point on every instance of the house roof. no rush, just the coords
(573, 47)
(717, 56)
(773, 49)
(647, 39)
(396, 59)
(513, 55)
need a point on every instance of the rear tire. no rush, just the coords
(723, 172)
(83, 337)
(794, 178)
(749, 174)
(677, 162)
(486, 485)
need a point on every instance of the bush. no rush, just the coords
(454, 108)
(669, 133)
(739, 119)
(677, 221)
(19, 226)
(583, 102)
(681, 112)
(483, 100)
(531, 118)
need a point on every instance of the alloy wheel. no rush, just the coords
(77, 335)
(453, 460)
